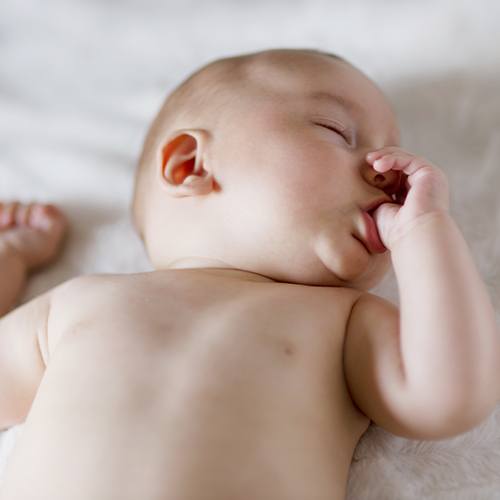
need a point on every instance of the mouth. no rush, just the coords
(373, 241)
(370, 237)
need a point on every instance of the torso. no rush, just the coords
(175, 385)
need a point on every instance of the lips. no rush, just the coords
(372, 240)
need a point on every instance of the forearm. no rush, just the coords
(449, 343)
(12, 279)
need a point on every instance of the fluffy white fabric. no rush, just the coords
(80, 80)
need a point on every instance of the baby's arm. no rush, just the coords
(449, 342)
(23, 354)
(30, 237)
(432, 370)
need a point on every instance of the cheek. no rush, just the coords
(297, 155)
(281, 160)
(310, 178)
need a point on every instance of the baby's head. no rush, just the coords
(242, 169)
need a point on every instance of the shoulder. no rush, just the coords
(81, 300)
(372, 331)
(87, 285)
(369, 309)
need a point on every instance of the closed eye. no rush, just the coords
(333, 129)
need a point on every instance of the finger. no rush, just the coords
(378, 153)
(399, 153)
(383, 164)
(414, 166)
(392, 161)
(406, 162)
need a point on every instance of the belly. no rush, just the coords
(209, 421)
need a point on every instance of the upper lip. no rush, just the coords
(373, 205)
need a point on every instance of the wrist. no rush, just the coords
(420, 225)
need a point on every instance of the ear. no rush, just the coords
(181, 169)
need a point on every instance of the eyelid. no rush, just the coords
(329, 122)
(338, 128)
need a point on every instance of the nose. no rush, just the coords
(386, 181)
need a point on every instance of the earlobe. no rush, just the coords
(181, 169)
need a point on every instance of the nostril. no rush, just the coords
(394, 186)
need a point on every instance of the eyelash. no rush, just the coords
(329, 127)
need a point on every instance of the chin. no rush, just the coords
(371, 276)
(382, 264)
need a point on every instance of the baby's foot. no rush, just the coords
(33, 231)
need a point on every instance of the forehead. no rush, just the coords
(321, 80)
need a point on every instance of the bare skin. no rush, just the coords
(131, 377)
(30, 238)
(236, 372)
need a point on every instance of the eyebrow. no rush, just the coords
(335, 99)
(347, 104)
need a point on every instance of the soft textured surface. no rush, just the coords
(81, 79)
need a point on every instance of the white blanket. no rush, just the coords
(80, 80)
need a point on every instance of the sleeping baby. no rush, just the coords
(271, 195)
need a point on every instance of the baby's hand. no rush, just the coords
(424, 190)
(34, 232)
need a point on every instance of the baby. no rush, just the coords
(271, 195)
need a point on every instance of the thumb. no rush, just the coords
(384, 218)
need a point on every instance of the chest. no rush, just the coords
(216, 380)
(282, 323)
(275, 348)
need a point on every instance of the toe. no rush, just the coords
(8, 214)
(4, 215)
(22, 214)
(47, 217)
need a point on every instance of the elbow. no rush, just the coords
(451, 406)
(467, 418)
(443, 420)
(441, 411)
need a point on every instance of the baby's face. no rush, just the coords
(291, 187)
